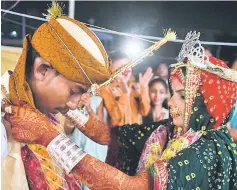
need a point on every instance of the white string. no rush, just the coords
(24, 15)
(140, 37)
(75, 59)
(13, 6)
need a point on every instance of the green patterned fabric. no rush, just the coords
(210, 163)
(127, 145)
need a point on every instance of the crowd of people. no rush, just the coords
(172, 128)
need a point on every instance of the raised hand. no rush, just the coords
(29, 125)
(136, 89)
(145, 78)
(123, 83)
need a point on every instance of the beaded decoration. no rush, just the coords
(192, 57)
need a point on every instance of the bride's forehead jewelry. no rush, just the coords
(192, 54)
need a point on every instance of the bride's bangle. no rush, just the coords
(78, 117)
(65, 152)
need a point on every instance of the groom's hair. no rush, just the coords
(32, 54)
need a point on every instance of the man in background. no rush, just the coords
(162, 71)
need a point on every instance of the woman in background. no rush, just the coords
(158, 92)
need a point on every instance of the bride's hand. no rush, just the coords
(29, 125)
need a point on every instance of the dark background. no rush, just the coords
(217, 21)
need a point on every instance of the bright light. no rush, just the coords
(133, 48)
(13, 34)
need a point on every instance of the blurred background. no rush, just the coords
(215, 20)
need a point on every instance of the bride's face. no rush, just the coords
(176, 102)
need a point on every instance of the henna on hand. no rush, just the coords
(98, 175)
(30, 126)
(95, 129)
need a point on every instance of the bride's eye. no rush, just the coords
(182, 94)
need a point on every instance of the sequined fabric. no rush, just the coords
(219, 94)
(209, 163)
(127, 145)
